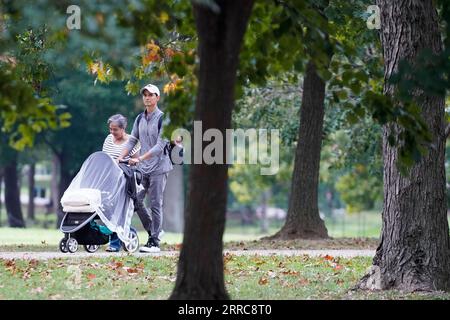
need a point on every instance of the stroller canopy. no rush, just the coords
(100, 184)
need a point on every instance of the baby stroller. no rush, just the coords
(98, 202)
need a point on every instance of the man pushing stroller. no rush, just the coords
(153, 162)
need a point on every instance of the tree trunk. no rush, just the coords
(200, 267)
(264, 220)
(414, 252)
(65, 177)
(1, 199)
(52, 207)
(12, 195)
(60, 182)
(303, 219)
(174, 201)
(31, 191)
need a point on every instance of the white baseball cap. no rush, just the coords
(151, 88)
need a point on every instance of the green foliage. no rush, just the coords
(25, 108)
(22, 114)
(352, 156)
(165, 34)
(90, 107)
(272, 107)
(359, 189)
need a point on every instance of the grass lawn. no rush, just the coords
(30, 237)
(246, 277)
(46, 240)
(364, 224)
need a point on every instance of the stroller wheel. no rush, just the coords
(133, 245)
(63, 245)
(72, 245)
(91, 247)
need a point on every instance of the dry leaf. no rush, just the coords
(37, 290)
(303, 281)
(91, 276)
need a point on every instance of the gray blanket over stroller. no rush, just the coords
(115, 208)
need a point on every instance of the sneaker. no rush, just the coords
(112, 249)
(150, 247)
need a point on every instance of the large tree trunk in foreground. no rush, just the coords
(12, 195)
(303, 220)
(414, 253)
(200, 267)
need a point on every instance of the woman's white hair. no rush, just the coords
(118, 119)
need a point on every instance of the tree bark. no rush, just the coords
(1, 200)
(31, 186)
(12, 195)
(414, 252)
(264, 220)
(303, 219)
(65, 177)
(52, 207)
(200, 267)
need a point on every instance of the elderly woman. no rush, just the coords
(113, 145)
(118, 138)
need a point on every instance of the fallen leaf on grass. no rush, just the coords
(328, 257)
(286, 284)
(171, 279)
(227, 257)
(37, 290)
(132, 270)
(33, 263)
(303, 281)
(91, 276)
(290, 272)
(259, 262)
(117, 265)
(263, 281)
(10, 263)
(337, 267)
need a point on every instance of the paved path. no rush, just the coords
(101, 254)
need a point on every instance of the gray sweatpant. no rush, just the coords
(152, 221)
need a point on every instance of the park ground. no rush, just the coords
(31, 267)
(129, 277)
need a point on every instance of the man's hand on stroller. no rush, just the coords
(119, 161)
(133, 161)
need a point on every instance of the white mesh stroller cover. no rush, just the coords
(99, 187)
